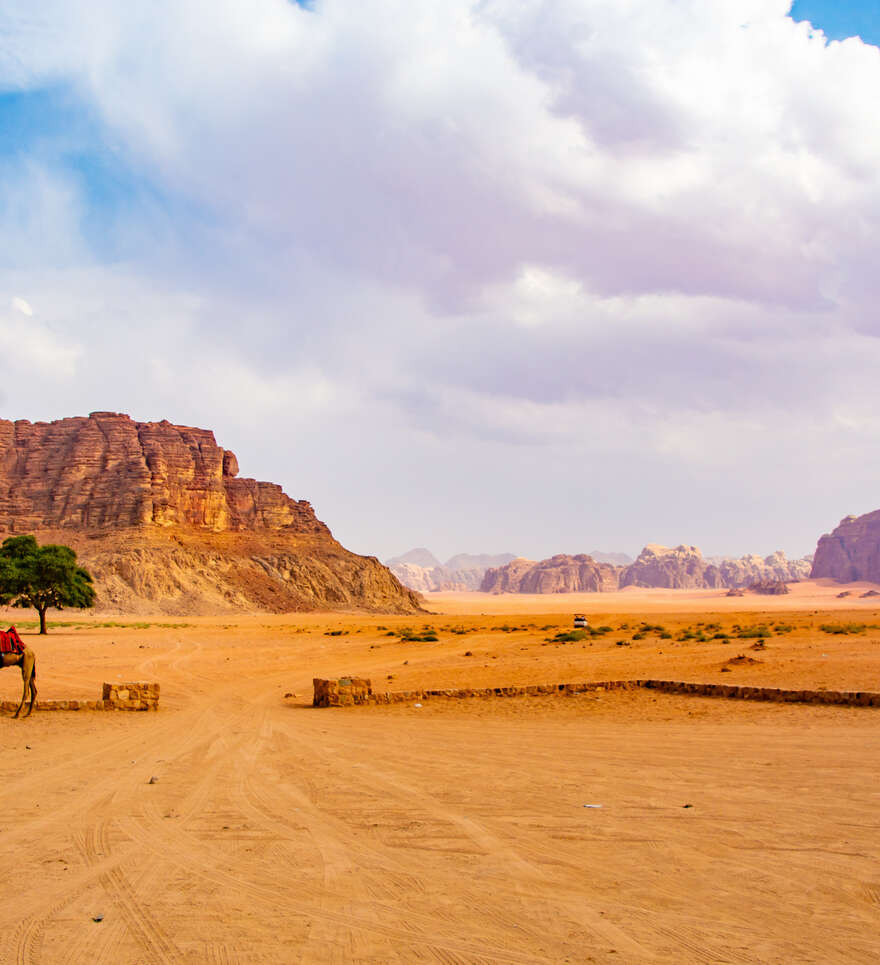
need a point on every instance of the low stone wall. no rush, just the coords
(125, 696)
(352, 690)
(342, 692)
(131, 696)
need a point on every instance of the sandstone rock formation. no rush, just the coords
(756, 569)
(461, 572)
(159, 516)
(678, 568)
(851, 552)
(559, 574)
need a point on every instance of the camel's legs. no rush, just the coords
(33, 687)
(28, 668)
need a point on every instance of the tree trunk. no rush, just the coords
(42, 613)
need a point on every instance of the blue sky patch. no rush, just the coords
(839, 19)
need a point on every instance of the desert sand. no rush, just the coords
(547, 829)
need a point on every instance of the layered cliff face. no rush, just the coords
(851, 552)
(559, 574)
(158, 514)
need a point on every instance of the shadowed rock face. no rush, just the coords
(159, 515)
(851, 552)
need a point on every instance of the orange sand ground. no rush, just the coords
(456, 832)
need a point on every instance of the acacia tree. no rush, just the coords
(42, 576)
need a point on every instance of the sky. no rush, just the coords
(528, 276)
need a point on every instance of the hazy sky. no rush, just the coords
(482, 275)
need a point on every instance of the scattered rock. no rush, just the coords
(153, 780)
(769, 587)
(739, 660)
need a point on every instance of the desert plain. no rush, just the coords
(239, 824)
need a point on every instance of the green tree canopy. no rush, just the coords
(42, 576)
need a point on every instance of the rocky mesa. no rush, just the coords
(159, 515)
(851, 552)
(676, 568)
(558, 574)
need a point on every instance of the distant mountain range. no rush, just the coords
(419, 569)
(679, 567)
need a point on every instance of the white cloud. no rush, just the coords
(634, 230)
(20, 305)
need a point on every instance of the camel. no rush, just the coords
(28, 663)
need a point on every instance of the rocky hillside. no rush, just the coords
(559, 574)
(158, 514)
(851, 552)
(420, 570)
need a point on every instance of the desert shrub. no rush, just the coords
(843, 628)
(665, 635)
(569, 636)
(636, 636)
(747, 633)
(415, 636)
(720, 636)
